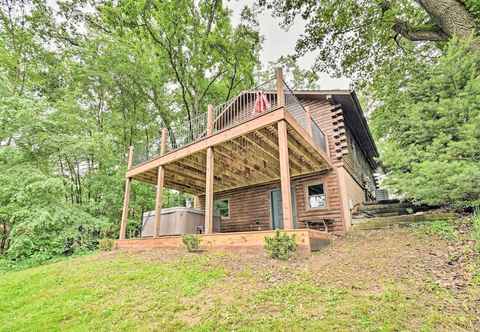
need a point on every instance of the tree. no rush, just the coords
(357, 37)
(427, 124)
(83, 80)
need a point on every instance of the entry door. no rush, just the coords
(277, 211)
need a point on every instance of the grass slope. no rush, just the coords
(388, 280)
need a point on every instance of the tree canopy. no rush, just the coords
(80, 81)
(355, 38)
(427, 124)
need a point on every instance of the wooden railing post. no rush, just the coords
(210, 120)
(308, 122)
(163, 146)
(285, 175)
(160, 184)
(280, 87)
(126, 197)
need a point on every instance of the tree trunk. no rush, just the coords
(451, 16)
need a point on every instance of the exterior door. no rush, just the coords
(277, 211)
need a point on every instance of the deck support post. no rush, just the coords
(209, 176)
(160, 182)
(285, 175)
(126, 197)
(196, 202)
(158, 200)
(209, 192)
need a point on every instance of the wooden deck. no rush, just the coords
(275, 144)
(245, 154)
(308, 240)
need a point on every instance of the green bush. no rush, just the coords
(281, 245)
(44, 233)
(106, 244)
(191, 242)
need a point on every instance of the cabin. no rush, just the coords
(270, 158)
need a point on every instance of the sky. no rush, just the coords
(278, 42)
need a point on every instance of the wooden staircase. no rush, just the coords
(387, 214)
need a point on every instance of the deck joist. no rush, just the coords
(244, 155)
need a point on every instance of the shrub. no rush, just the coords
(191, 241)
(281, 245)
(106, 244)
(52, 231)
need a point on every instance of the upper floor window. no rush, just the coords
(316, 196)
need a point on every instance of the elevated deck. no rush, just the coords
(260, 136)
(245, 154)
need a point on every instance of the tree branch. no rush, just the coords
(414, 34)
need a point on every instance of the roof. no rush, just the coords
(354, 117)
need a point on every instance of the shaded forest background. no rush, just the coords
(83, 80)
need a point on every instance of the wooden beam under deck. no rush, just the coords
(256, 123)
(247, 157)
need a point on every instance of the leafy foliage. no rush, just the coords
(426, 121)
(82, 81)
(281, 245)
(191, 242)
(357, 38)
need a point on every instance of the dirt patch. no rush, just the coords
(428, 271)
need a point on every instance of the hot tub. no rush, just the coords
(178, 221)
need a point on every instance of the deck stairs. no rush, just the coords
(385, 214)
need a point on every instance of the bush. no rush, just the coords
(106, 244)
(281, 245)
(191, 241)
(44, 233)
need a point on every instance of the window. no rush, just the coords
(222, 208)
(316, 196)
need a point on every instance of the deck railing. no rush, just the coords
(319, 137)
(246, 106)
(298, 111)
(186, 132)
(144, 151)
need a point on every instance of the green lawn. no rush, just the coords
(386, 281)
